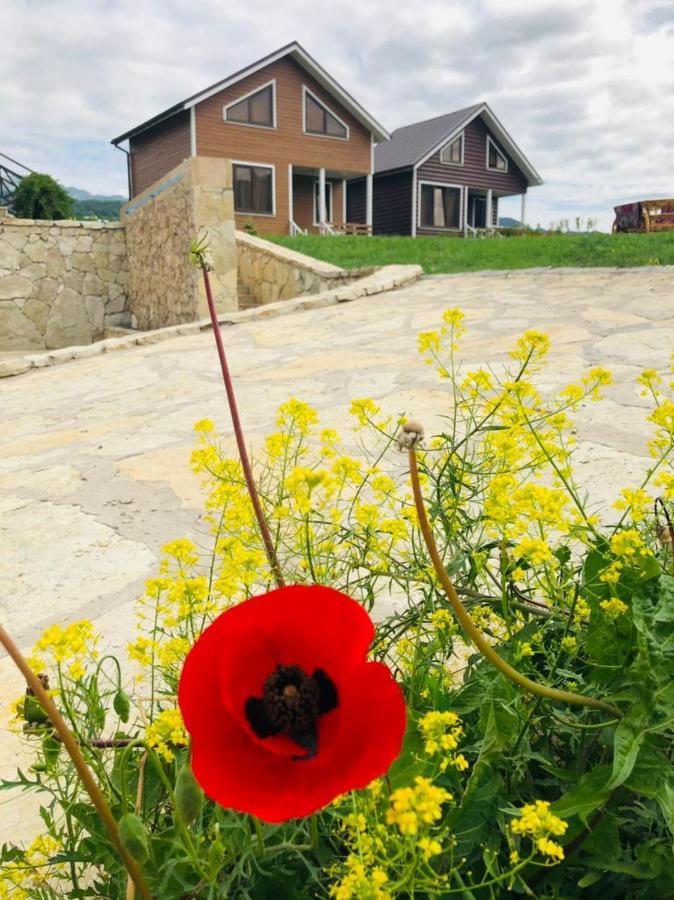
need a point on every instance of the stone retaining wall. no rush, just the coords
(61, 283)
(164, 289)
(271, 272)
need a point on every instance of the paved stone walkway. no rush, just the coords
(94, 474)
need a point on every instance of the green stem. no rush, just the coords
(472, 632)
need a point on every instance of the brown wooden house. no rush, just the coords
(295, 136)
(444, 176)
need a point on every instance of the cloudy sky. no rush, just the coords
(586, 87)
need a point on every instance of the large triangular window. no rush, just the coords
(495, 158)
(452, 153)
(256, 108)
(318, 119)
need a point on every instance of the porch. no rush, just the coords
(480, 211)
(317, 201)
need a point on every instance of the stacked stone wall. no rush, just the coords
(271, 272)
(164, 289)
(62, 283)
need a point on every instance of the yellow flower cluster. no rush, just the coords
(628, 544)
(538, 823)
(614, 607)
(442, 732)
(34, 875)
(167, 731)
(410, 807)
(72, 645)
(360, 882)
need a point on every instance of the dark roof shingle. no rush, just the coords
(410, 143)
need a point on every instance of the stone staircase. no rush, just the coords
(246, 298)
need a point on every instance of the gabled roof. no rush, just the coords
(300, 55)
(413, 144)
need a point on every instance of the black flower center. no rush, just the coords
(291, 704)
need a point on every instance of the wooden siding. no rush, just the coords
(284, 144)
(392, 203)
(158, 150)
(474, 171)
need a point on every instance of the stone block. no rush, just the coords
(83, 262)
(68, 322)
(56, 265)
(17, 332)
(38, 312)
(46, 290)
(35, 251)
(96, 308)
(83, 243)
(16, 366)
(12, 286)
(9, 256)
(15, 237)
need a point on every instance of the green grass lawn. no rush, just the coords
(444, 254)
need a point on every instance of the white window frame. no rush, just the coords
(331, 137)
(257, 165)
(459, 137)
(329, 190)
(243, 97)
(490, 143)
(442, 184)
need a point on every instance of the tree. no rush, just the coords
(38, 196)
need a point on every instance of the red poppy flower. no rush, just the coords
(284, 710)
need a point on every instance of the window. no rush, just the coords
(440, 206)
(319, 120)
(254, 189)
(495, 159)
(452, 154)
(328, 201)
(254, 109)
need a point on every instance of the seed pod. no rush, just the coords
(411, 435)
(134, 837)
(189, 796)
(216, 857)
(122, 705)
(33, 712)
(51, 747)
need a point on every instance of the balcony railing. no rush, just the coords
(10, 178)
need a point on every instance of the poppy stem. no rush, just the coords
(79, 762)
(471, 630)
(238, 432)
(259, 831)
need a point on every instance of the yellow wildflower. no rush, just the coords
(165, 732)
(614, 607)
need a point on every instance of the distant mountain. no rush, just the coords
(96, 206)
(79, 194)
(504, 222)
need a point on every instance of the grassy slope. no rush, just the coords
(443, 254)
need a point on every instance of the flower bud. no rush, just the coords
(33, 712)
(189, 796)
(122, 705)
(51, 747)
(134, 837)
(411, 435)
(216, 857)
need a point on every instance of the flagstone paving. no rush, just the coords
(94, 454)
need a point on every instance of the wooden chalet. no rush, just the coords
(445, 176)
(296, 139)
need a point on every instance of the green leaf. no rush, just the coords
(590, 793)
(629, 736)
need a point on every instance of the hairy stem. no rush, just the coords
(240, 442)
(471, 630)
(79, 762)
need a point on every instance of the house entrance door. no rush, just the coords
(477, 210)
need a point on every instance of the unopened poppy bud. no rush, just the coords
(411, 435)
(122, 705)
(33, 712)
(134, 837)
(189, 796)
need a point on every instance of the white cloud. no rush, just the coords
(585, 86)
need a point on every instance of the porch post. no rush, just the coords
(490, 211)
(524, 208)
(368, 200)
(343, 201)
(321, 197)
(465, 211)
(291, 216)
